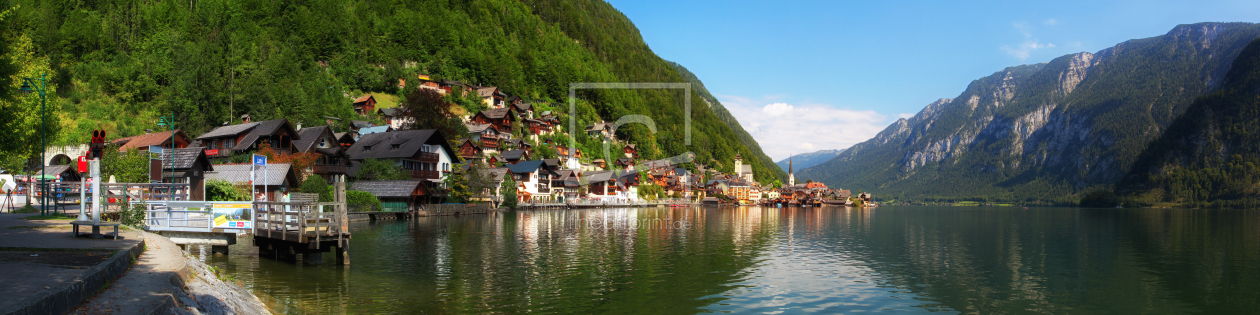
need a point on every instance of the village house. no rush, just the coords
(452, 86)
(398, 195)
(515, 156)
(272, 178)
(426, 82)
(468, 149)
(396, 118)
(488, 136)
(538, 127)
(242, 139)
(533, 181)
(162, 139)
(631, 151)
(424, 153)
(517, 144)
(523, 109)
(365, 105)
(187, 166)
(743, 171)
(333, 160)
(601, 129)
(492, 97)
(501, 118)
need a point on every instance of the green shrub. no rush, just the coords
(133, 217)
(360, 201)
(316, 185)
(222, 190)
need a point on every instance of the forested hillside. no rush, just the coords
(118, 65)
(1210, 155)
(1043, 133)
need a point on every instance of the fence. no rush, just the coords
(301, 222)
(197, 216)
(113, 195)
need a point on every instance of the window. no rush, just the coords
(214, 145)
(230, 143)
(367, 148)
(395, 146)
(323, 142)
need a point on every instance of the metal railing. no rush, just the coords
(424, 174)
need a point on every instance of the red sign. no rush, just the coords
(212, 152)
(83, 164)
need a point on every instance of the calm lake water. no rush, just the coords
(764, 260)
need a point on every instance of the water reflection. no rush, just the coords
(754, 260)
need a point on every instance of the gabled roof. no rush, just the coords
(229, 130)
(598, 176)
(266, 128)
(145, 140)
(496, 113)
(409, 144)
(309, 138)
(360, 124)
(479, 128)
(495, 173)
(272, 174)
(526, 167)
(387, 188)
(389, 112)
(185, 158)
(599, 126)
(362, 99)
(58, 169)
(513, 154)
(678, 171)
(372, 130)
(524, 106)
(487, 91)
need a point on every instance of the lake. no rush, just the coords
(767, 260)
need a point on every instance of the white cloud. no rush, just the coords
(1051, 22)
(783, 129)
(1023, 50)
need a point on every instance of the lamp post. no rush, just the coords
(28, 86)
(169, 122)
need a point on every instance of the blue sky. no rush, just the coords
(846, 69)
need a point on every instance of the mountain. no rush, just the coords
(126, 63)
(718, 109)
(1210, 156)
(805, 160)
(1046, 132)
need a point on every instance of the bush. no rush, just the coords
(222, 190)
(316, 185)
(133, 217)
(360, 201)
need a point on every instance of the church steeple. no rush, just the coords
(791, 174)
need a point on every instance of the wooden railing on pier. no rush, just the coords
(301, 222)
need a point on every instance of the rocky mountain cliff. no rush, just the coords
(1043, 132)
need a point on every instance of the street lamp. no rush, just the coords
(28, 86)
(169, 122)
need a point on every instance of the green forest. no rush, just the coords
(1209, 156)
(119, 65)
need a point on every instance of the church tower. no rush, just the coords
(791, 175)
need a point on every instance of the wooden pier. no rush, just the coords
(282, 230)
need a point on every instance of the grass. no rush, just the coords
(384, 100)
(49, 217)
(26, 209)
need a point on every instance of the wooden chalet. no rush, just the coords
(515, 156)
(424, 153)
(492, 97)
(223, 142)
(631, 151)
(538, 127)
(523, 109)
(365, 105)
(399, 195)
(501, 118)
(468, 149)
(333, 160)
(488, 136)
(600, 129)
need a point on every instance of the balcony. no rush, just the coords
(330, 169)
(488, 142)
(544, 188)
(428, 157)
(423, 174)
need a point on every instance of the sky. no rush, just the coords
(803, 76)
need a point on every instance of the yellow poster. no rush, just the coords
(221, 220)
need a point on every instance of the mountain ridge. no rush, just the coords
(1043, 132)
(804, 160)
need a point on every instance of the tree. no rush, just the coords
(21, 117)
(131, 166)
(373, 169)
(316, 185)
(457, 188)
(477, 179)
(431, 111)
(508, 189)
(300, 162)
(222, 190)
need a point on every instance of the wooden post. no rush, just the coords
(343, 226)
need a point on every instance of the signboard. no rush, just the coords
(83, 164)
(232, 215)
(260, 160)
(157, 149)
(212, 152)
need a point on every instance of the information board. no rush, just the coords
(232, 215)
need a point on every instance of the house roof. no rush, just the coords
(390, 112)
(524, 106)
(362, 99)
(387, 188)
(496, 113)
(496, 173)
(525, 167)
(513, 154)
(360, 124)
(57, 169)
(409, 144)
(273, 174)
(479, 128)
(229, 130)
(599, 126)
(373, 129)
(487, 91)
(309, 137)
(680, 171)
(145, 140)
(266, 128)
(598, 176)
(186, 158)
